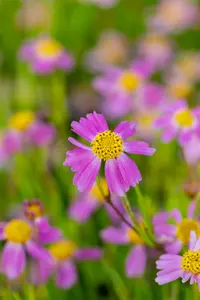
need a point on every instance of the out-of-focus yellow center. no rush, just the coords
(48, 48)
(134, 237)
(191, 262)
(185, 227)
(62, 250)
(107, 145)
(146, 120)
(21, 120)
(100, 192)
(33, 210)
(129, 81)
(184, 118)
(180, 90)
(18, 231)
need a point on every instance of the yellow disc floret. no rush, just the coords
(18, 231)
(134, 237)
(34, 210)
(21, 120)
(107, 145)
(62, 250)
(129, 81)
(184, 118)
(48, 48)
(184, 228)
(191, 262)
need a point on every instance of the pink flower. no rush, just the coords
(179, 120)
(105, 145)
(34, 212)
(19, 236)
(46, 55)
(123, 235)
(86, 204)
(175, 236)
(40, 133)
(64, 256)
(119, 87)
(171, 266)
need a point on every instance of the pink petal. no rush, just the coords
(176, 215)
(169, 277)
(86, 177)
(114, 235)
(191, 209)
(81, 209)
(114, 179)
(78, 159)
(174, 247)
(99, 121)
(169, 134)
(66, 275)
(13, 260)
(136, 262)
(38, 252)
(193, 240)
(88, 254)
(128, 171)
(185, 137)
(136, 147)
(126, 129)
(78, 144)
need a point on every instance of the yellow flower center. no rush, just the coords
(180, 91)
(134, 237)
(18, 231)
(34, 210)
(184, 228)
(21, 120)
(129, 81)
(184, 118)
(107, 145)
(98, 194)
(62, 250)
(191, 262)
(48, 48)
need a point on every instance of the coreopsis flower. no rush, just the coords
(26, 125)
(175, 236)
(174, 15)
(34, 212)
(156, 49)
(110, 50)
(105, 146)
(123, 235)
(119, 87)
(64, 256)
(19, 237)
(186, 266)
(179, 120)
(45, 55)
(86, 204)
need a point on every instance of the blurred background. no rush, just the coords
(94, 37)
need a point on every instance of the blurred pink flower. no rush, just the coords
(111, 49)
(174, 15)
(45, 55)
(179, 120)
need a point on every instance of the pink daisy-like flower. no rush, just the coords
(64, 256)
(19, 236)
(34, 212)
(86, 204)
(46, 55)
(175, 236)
(123, 235)
(109, 146)
(179, 120)
(119, 87)
(187, 267)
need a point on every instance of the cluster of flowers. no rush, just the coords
(31, 240)
(24, 131)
